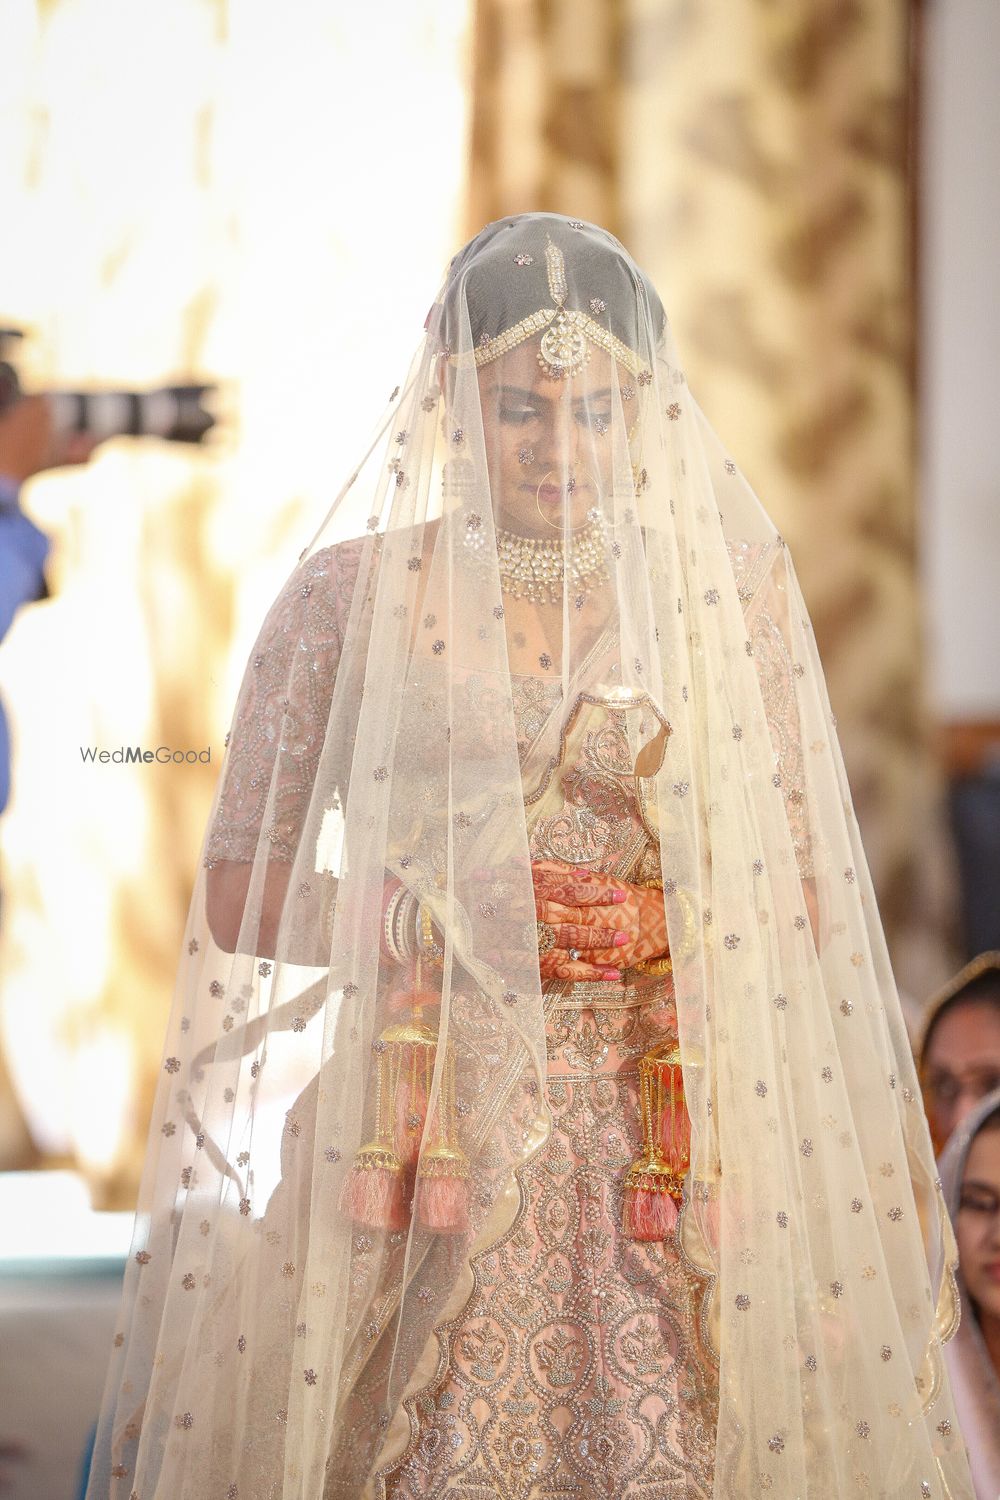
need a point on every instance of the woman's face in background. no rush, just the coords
(961, 1064)
(549, 440)
(977, 1223)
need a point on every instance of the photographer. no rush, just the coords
(28, 444)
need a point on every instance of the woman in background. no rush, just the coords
(970, 1173)
(537, 1113)
(958, 1052)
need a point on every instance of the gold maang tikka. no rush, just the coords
(567, 334)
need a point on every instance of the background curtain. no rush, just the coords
(758, 161)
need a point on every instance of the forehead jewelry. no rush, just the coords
(563, 349)
(567, 334)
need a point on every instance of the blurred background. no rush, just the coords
(264, 199)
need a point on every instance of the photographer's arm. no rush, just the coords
(28, 445)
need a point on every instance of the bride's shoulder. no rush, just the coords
(330, 575)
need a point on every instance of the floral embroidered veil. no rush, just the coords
(375, 740)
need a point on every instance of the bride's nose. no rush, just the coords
(561, 439)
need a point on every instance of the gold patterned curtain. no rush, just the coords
(545, 109)
(758, 161)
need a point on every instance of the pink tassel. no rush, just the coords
(444, 1204)
(443, 1190)
(374, 1191)
(403, 1002)
(675, 1141)
(648, 1214)
(654, 1182)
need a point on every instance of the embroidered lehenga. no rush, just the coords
(537, 1116)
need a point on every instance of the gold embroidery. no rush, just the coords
(580, 1358)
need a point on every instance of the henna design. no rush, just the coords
(555, 881)
(641, 916)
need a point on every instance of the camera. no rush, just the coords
(173, 412)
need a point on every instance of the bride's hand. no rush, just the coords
(611, 923)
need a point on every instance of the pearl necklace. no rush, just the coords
(533, 567)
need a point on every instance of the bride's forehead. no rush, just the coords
(521, 367)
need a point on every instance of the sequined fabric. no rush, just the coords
(534, 700)
(580, 1366)
(281, 716)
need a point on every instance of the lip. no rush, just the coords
(554, 491)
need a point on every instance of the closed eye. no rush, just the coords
(979, 1202)
(518, 415)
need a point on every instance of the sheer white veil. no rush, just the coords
(270, 1336)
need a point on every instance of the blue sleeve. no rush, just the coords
(4, 761)
(23, 550)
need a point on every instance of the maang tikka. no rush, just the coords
(567, 334)
(563, 348)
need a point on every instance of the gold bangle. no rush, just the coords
(655, 966)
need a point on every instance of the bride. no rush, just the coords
(537, 1114)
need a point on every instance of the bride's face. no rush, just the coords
(548, 440)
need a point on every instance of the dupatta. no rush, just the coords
(355, 1063)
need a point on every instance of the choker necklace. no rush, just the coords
(533, 567)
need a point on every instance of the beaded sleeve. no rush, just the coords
(281, 714)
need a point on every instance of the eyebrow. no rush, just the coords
(971, 1070)
(980, 1186)
(524, 395)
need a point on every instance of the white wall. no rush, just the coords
(960, 400)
